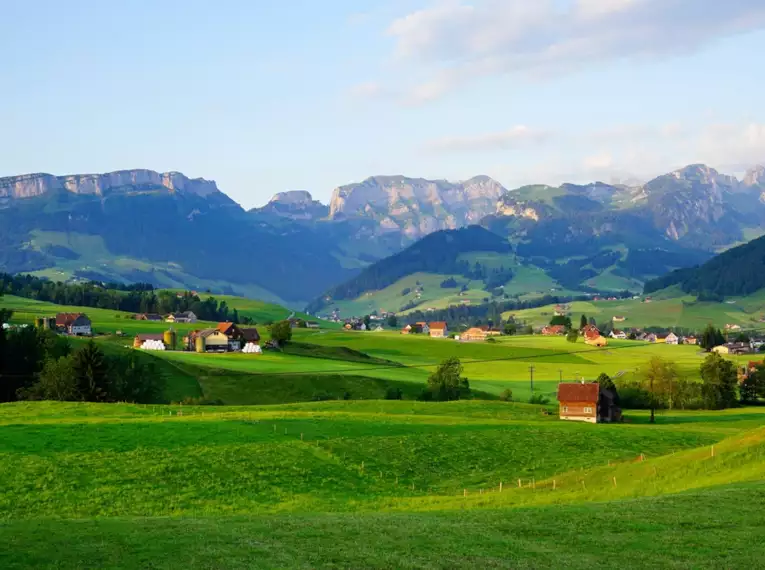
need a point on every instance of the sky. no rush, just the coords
(265, 96)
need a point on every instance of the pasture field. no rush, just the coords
(376, 484)
(670, 310)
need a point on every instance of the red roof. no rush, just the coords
(66, 319)
(576, 392)
(592, 334)
(439, 326)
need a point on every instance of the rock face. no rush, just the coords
(295, 205)
(125, 181)
(414, 206)
(755, 177)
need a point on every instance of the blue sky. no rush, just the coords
(266, 96)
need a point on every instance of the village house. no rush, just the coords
(733, 348)
(619, 335)
(423, 327)
(672, 339)
(184, 317)
(75, 324)
(212, 340)
(590, 329)
(438, 330)
(407, 329)
(691, 340)
(593, 337)
(582, 402)
(553, 330)
(234, 335)
(490, 331)
(473, 335)
(733, 328)
(619, 319)
(250, 335)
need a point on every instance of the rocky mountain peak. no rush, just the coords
(124, 181)
(294, 205)
(416, 206)
(754, 177)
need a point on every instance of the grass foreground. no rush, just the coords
(376, 484)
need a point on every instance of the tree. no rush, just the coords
(572, 336)
(583, 322)
(56, 382)
(91, 373)
(510, 328)
(711, 338)
(367, 322)
(281, 332)
(447, 382)
(392, 321)
(720, 381)
(605, 382)
(561, 320)
(134, 380)
(659, 375)
(506, 395)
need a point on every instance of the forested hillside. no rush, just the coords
(738, 271)
(437, 253)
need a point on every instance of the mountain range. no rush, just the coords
(175, 231)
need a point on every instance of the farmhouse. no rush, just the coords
(423, 327)
(184, 317)
(619, 319)
(142, 338)
(149, 317)
(212, 340)
(233, 333)
(594, 338)
(733, 348)
(474, 334)
(250, 335)
(407, 329)
(619, 335)
(691, 340)
(491, 331)
(579, 402)
(553, 330)
(75, 324)
(438, 330)
(672, 339)
(590, 403)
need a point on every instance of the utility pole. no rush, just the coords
(531, 373)
(560, 373)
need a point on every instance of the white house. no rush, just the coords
(672, 338)
(620, 335)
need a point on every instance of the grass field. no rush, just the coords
(376, 485)
(669, 310)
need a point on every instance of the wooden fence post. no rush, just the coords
(500, 486)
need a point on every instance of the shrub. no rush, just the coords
(506, 395)
(393, 393)
(322, 396)
(539, 399)
(491, 339)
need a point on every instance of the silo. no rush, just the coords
(38, 323)
(169, 339)
(199, 343)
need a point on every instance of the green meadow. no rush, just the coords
(668, 309)
(374, 484)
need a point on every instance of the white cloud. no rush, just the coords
(456, 40)
(517, 136)
(368, 90)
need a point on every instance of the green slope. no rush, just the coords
(376, 484)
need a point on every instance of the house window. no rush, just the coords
(565, 409)
(588, 410)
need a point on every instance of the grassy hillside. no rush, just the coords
(376, 484)
(669, 308)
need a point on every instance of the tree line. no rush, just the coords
(136, 298)
(37, 364)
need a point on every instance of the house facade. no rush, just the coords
(593, 337)
(672, 339)
(423, 327)
(438, 330)
(554, 330)
(473, 335)
(75, 324)
(578, 402)
(184, 317)
(618, 335)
